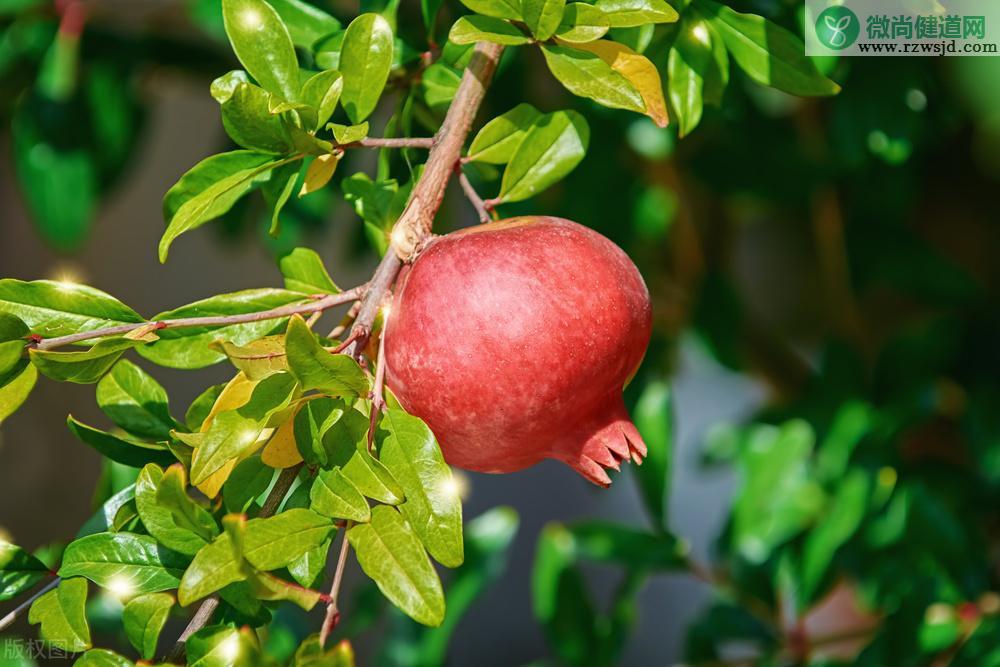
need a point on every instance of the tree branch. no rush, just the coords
(332, 611)
(9, 619)
(414, 226)
(208, 607)
(393, 142)
(319, 304)
(473, 196)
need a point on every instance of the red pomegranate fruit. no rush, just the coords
(513, 340)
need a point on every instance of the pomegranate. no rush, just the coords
(513, 340)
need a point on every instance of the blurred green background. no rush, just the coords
(824, 365)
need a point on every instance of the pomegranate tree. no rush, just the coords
(512, 340)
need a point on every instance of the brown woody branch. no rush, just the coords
(413, 228)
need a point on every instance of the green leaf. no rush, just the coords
(83, 367)
(309, 568)
(687, 66)
(187, 514)
(607, 542)
(99, 657)
(654, 418)
(306, 22)
(57, 172)
(19, 571)
(497, 141)
(143, 618)
(587, 75)
(768, 53)
(560, 600)
(365, 61)
(119, 560)
(582, 23)
(312, 422)
(433, 506)
(223, 646)
(276, 541)
(135, 402)
(103, 519)
(501, 9)
(390, 553)
(322, 92)
(629, 13)
(378, 203)
(347, 443)
(474, 28)
(52, 308)
(237, 433)
(349, 134)
(842, 520)
(190, 347)
(543, 16)
(316, 368)
(13, 333)
(277, 191)
(159, 517)
(215, 566)
(208, 172)
(121, 450)
(262, 43)
(304, 272)
(777, 497)
(717, 75)
(220, 184)
(334, 495)
(488, 539)
(439, 85)
(61, 615)
(553, 146)
(249, 479)
(249, 121)
(15, 387)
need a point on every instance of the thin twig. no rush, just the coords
(473, 196)
(208, 607)
(318, 304)
(414, 226)
(346, 322)
(7, 620)
(332, 611)
(378, 405)
(394, 142)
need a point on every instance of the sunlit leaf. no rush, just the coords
(143, 618)
(365, 60)
(497, 141)
(119, 560)
(61, 615)
(552, 147)
(391, 554)
(587, 75)
(475, 28)
(433, 506)
(262, 43)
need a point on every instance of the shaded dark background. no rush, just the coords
(835, 218)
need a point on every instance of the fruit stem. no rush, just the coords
(414, 226)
